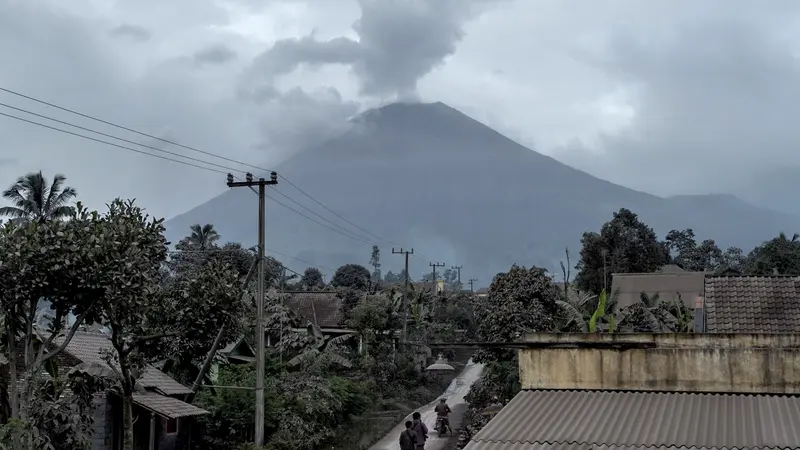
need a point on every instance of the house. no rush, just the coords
(584, 391)
(158, 411)
(750, 304)
(671, 282)
(237, 352)
(323, 309)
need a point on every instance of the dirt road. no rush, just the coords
(455, 398)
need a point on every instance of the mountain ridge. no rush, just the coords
(433, 178)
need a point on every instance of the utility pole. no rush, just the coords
(458, 270)
(405, 290)
(262, 186)
(435, 284)
(472, 284)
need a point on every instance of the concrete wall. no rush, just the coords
(102, 427)
(675, 362)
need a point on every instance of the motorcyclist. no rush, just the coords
(442, 411)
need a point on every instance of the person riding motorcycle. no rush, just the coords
(442, 411)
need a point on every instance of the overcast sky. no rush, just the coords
(665, 96)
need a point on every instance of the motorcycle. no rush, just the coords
(441, 426)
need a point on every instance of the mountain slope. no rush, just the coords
(429, 177)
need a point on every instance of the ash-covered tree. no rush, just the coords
(780, 254)
(624, 245)
(203, 237)
(375, 262)
(520, 301)
(33, 198)
(352, 276)
(312, 279)
(68, 265)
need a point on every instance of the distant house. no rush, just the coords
(237, 352)
(746, 304)
(323, 309)
(671, 282)
(482, 292)
(156, 408)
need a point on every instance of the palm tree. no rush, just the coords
(576, 309)
(203, 237)
(34, 199)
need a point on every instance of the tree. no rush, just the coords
(690, 256)
(131, 300)
(34, 199)
(375, 262)
(203, 237)
(352, 276)
(651, 314)
(204, 309)
(520, 301)
(68, 265)
(624, 245)
(780, 254)
(312, 279)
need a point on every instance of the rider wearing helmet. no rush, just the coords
(442, 411)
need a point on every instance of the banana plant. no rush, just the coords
(322, 351)
(600, 313)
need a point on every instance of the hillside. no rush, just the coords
(428, 176)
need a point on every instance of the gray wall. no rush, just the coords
(102, 429)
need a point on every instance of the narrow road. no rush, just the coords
(455, 398)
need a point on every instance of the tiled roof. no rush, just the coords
(167, 407)
(752, 304)
(89, 347)
(583, 420)
(323, 309)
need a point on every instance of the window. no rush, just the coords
(171, 427)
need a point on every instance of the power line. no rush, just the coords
(171, 142)
(108, 143)
(318, 215)
(117, 138)
(334, 212)
(167, 141)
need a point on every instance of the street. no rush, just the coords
(455, 398)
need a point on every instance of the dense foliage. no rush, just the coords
(177, 309)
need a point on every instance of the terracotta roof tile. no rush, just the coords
(323, 309)
(583, 420)
(752, 304)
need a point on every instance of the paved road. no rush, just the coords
(455, 398)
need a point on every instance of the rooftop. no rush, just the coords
(747, 304)
(323, 309)
(584, 420)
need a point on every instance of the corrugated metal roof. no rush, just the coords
(89, 348)
(752, 304)
(167, 407)
(580, 420)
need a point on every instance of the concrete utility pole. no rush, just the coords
(435, 284)
(262, 185)
(472, 284)
(458, 269)
(405, 290)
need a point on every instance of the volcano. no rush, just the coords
(428, 177)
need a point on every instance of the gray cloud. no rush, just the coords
(134, 32)
(400, 41)
(215, 54)
(714, 102)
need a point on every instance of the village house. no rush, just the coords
(726, 303)
(583, 391)
(162, 421)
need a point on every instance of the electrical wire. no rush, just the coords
(110, 143)
(171, 142)
(127, 141)
(167, 141)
